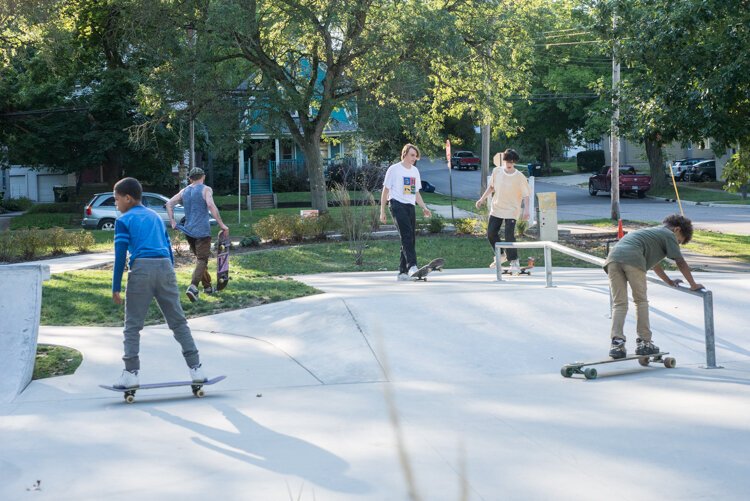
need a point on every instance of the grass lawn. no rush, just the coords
(699, 195)
(84, 297)
(52, 360)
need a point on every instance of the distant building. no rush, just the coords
(36, 184)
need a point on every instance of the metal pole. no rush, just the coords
(615, 136)
(708, 321)
(548, 265)
(485, 157)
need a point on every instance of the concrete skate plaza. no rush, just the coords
(474, 368)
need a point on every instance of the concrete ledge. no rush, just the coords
(20, 306)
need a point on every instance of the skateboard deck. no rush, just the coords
(222, 260)
(129, 393)
(524, 269)
(435, 264)
(591, 373)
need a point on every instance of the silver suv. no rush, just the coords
(100, 213)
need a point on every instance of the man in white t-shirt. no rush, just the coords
(401, 192)
(510, 191)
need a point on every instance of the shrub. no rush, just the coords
(17, 204)
(521, 226)
(7, 246)
(590, 161)
(368, 177)
(290, 181)
(466, 226)
(250, 241)
(178, 243)
(58, 239)
(56, 208)
(82, 240)
(44, 221)
(30, 242)
(276, 227)
(436, 224)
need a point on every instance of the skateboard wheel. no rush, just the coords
(644, 361)
(130, 398)
(590, 373)
(566, 371)
(670, 363)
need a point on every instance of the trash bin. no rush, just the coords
(61, 193)
(535, 169)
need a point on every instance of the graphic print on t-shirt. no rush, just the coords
(410, 185)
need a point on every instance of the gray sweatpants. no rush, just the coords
(154, 278)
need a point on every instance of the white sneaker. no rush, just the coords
(413, 270)
(402, 277)
(503, 260)
(197, 375)
(128, 379)
(515, 267)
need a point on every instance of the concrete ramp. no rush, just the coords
(20, 305)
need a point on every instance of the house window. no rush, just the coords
(287, 151)
(324, 150)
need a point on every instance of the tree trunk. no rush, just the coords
(547, 158)
(314, 164)
(656, 162)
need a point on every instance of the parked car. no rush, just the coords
(702, 171)
(680, 167)
(630, 181)
(465, 160)
(100, 213)
(427, 187)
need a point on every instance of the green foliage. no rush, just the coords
(436, 224)
(290, 182)
(7, 250)
(82, 240)
(250, 241)
(30, 242)
(52, 360)
(290, 227)
(466, 226)
(55, 208)
(16, 204)
(736, 172)
(58, 239)
(45, 221)
(590, 161)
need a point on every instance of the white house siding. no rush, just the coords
(36, 184)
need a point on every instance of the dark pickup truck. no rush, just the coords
(630, 181)
(465, 160)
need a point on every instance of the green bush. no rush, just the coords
(289, 227)
(82, 240)
(17, 204)
(521, 226)
(56, 208)
(466, 226)
(590, 161)
(436, 224)
(58, 239)
(6, 246)
(250, 241)
(30, 242)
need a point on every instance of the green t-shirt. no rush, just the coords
(645, 248)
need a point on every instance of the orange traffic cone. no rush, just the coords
(620, 233)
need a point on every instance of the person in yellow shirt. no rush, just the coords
(510, 201)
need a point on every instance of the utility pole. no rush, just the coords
(485, 157)
(615, 135)
(191, 161)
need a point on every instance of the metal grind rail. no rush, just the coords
(548, 246)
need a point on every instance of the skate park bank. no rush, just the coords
(470, 365)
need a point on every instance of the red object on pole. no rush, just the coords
(448, 152)
(620, 233)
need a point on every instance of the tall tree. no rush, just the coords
(686, 72)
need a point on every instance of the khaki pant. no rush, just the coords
(620, 275)
(201, 247)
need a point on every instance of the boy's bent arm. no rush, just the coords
(661, 274)
(685, 270)
(170, 207)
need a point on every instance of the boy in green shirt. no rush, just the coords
(628, 262)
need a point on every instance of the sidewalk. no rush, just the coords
(474, 375)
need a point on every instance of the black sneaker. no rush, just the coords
(192, 293)
(209, 290)
(617, 350)
(645, 347)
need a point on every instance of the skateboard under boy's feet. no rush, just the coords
(435, 264)
(129, 393)
(591, 373)
(524, 270)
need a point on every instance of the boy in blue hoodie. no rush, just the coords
(141, 233)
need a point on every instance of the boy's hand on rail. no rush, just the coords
(696, 287)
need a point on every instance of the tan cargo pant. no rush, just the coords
(620, 275)
(201, 247)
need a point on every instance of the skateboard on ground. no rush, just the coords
(222, 260)
(524, 269)
(590, 372)
(435, 264)
(129, 393)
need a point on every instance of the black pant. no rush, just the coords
(493, 230)
(405, 218)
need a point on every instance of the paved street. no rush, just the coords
(574, 203)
